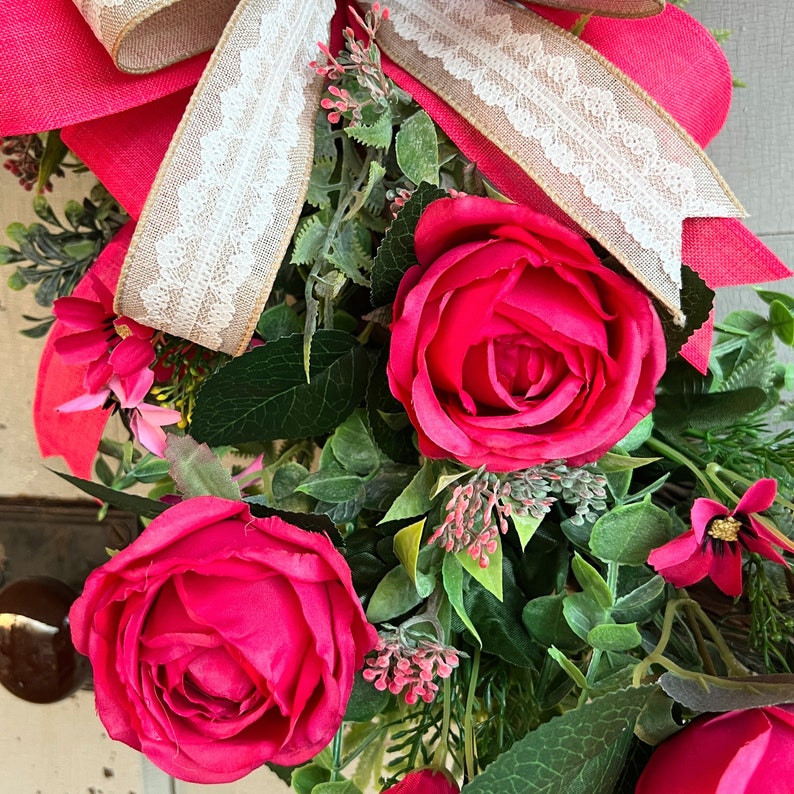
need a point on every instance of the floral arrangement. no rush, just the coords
(473, 501)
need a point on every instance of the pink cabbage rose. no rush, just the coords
(512, 344)
(425, 781)
(220, 641)
(739, 752)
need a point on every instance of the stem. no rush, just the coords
(336, 752)
(468, 726)
(443, 745)
(679, 457)
(703, 652)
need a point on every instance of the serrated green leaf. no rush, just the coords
(377, 135)
(550, 758)
(407, 543)
(628, 533)
(278, 321)
(394, 596)
(396, 252)
(263, 395)
(614, 636)
(308, 240)
(197, 470)
(452, 577)
(545, 622)
(416, 148)
(489, 577)
(591, 582)
(132, 503)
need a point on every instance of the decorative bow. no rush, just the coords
(549, 120)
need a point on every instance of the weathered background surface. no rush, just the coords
(62, 749)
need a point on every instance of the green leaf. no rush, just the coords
(640, 604)
(491, 576)
(333, 484)
(591, 581)
(656, 721)
(306, 778)
(638, 435)
(706, 693)
(390, 425)
(197, 470)
(627, 534)
(308, 240)
(54, 152)
(544, 620)
(452, 576)
(353, 446)
(551, 758)
(337, 787)
(396, 253)
(263, 395)
(146, 508)
(416, 147)
(278, 321)
(782, 322)
(415, 499)
(394, 596)
(575, 674)
(377, 135)
(769, 296)
(614, 637)
(407, 543)
(525, 527)
(389, 482)
(615, 462)
(365, 701)
(583, 614)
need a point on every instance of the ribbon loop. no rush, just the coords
(146, 35)
(228, 195)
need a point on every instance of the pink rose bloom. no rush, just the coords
(512, 345)
(713, 546)
(739, 752)
(220, 641)
(425, 781)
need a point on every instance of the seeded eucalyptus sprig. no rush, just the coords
(58, 257)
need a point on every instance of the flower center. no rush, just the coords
(726, 528)
(122, 329)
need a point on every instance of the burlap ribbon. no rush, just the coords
(228, 194)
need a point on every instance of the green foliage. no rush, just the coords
(197, 470)
(554, 756)
(627, 534)
(264, 394)
(396, 253)
(417, 149)
(59, 257)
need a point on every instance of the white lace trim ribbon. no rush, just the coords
(228, 195)
(591, 138)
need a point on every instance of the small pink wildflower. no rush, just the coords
(111, 346)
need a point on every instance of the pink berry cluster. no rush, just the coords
(24, 156)
(401, 664)
(359, 61)
(476, 513)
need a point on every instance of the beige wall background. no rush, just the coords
(62, 749)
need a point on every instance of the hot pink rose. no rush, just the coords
(220, 641)
(425, 781)
(512, 344)
(739, 752)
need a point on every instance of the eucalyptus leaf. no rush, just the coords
(583, 614)
(628, 533)
(707, 693)
(591, 581)
(416, 148)
(334, 485)
(306, 778)
(551, 757)
(640, 604)
(575, 674)
(614, 636)
(264, 394)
